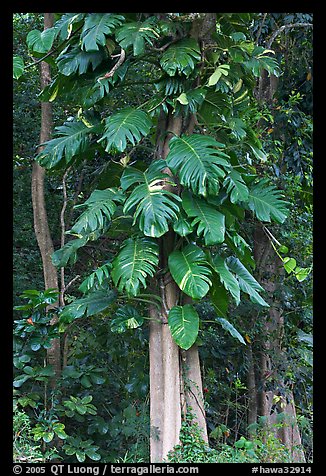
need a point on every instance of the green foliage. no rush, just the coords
(82, 449)
(136, 34)
(101, 206)
(126, 317)
(184, 324)
(129, 124)
(197, 160)
(247, 282)
(73, 139)
(190, 271)
(18, 67)
(209, 221)
(267, 202)
(93, 303)
(136, 260)
(40, 41)
(97, 27)
(181, 57)
(152, 205)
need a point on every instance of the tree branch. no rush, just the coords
(286, 27)
(121, 59)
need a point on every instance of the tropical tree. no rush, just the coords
(163, 102)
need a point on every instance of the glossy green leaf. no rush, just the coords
(183, 322)
(198, 162)
(152, 206)
(227, 278)
(236, 187)
(18, 67)
(135, 34)
(181, 57)
(126, 317)
(89, 305)
(137, 260)
(247, 282)
(75, 60)
(100, 207)
(128, 125)
(209, 221)
(72, 139)
(267, 202)
(97, 27)
(40, 41)
(231, 329)
(190, 271)
(68, 253)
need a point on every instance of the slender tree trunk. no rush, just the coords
(41, 226)
(275, 400)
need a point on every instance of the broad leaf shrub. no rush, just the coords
(264, 448)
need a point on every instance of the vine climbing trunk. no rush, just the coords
(41, 225)
(175, 376)
(275, 396)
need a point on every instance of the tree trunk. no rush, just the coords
(41, 226)
(276, 399)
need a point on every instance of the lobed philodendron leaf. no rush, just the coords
(152, 206)
(183, 322)
(89, 305)
(75, 60)
(267, 202)
(136, 260)
(126, 317)
(236, 187)
(73, 138)
(226, 277)
(136, 34)
(41, 41)
(190, 271)
(209, 221)
(96, 27)
(127, 125)
(181, 57)
(198, 162)
(247, 282)
(100, 207)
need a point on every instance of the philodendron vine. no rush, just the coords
(205, 188)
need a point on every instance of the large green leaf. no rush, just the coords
(129, 124)
(150, 204)
(18, 67)
(236, 187)
(267, 202)
(137, 259)
(218, 295)
(97, 277)
(227, 279)
(101, 205)
(183, 322)
(96, 27)
(209, 221)
(136, 33)
(231, 329)
(190, 271)
(126, 317)
(181, 57)
(40, 41)
(247, 282)
(75, 60)
(68, 253)
(89, 305)
(197, 161)
(73, 138)
(64, 25)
